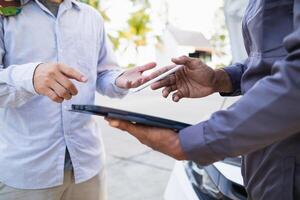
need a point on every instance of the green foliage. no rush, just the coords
(138, 28)
(137, 24)
(146, 3)
(220, 38)
(94, 3)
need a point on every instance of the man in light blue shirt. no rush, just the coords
(35, 91)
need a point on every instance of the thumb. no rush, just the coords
(132, 129)
(183, 60)
(119, 124)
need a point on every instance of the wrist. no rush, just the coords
(222, 82)
(34, 76)
(119, 82)
(179, 154)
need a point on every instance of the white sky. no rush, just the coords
(197, 15)
(194, 15)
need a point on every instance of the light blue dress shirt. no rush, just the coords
(34, 131)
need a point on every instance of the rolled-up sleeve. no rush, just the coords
(269, 112)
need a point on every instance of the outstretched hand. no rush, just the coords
(194, 80)
(134, 77)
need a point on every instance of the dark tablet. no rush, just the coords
(129, 116)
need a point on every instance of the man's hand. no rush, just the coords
(134, 77)
(163, 140)
(52, 80)
(194, 80)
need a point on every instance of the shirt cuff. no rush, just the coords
(193, 142)
(22, 76)
(235, 73)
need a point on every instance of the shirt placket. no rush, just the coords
(65, 115)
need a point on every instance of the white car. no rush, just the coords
(221, 180)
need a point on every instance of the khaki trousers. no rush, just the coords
(93, 189)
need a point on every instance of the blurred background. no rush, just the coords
(143, 31)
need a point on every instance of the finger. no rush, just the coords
(167, 81)
(160, 71)
(128, 84)
(168, 90)
(146, 67)
(72, 73)
(145, 79)
(53, 96)
(177, 96)
(136, 83)
(60, 90)
(125, 126)
(140, 132)
(66, 83)
(183, 60)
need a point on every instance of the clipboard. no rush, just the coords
(129, 116)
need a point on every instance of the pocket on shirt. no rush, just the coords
(80, 46)
(86, 51)
(277, 18)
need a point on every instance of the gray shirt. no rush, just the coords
(264, 124)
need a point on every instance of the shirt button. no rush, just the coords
(66, 108)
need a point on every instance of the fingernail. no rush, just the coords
(175, 98)
(114, 123)
(83, 79)
(164, 94)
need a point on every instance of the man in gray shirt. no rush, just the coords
(264, 124)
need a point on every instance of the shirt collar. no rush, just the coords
(74, 2)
